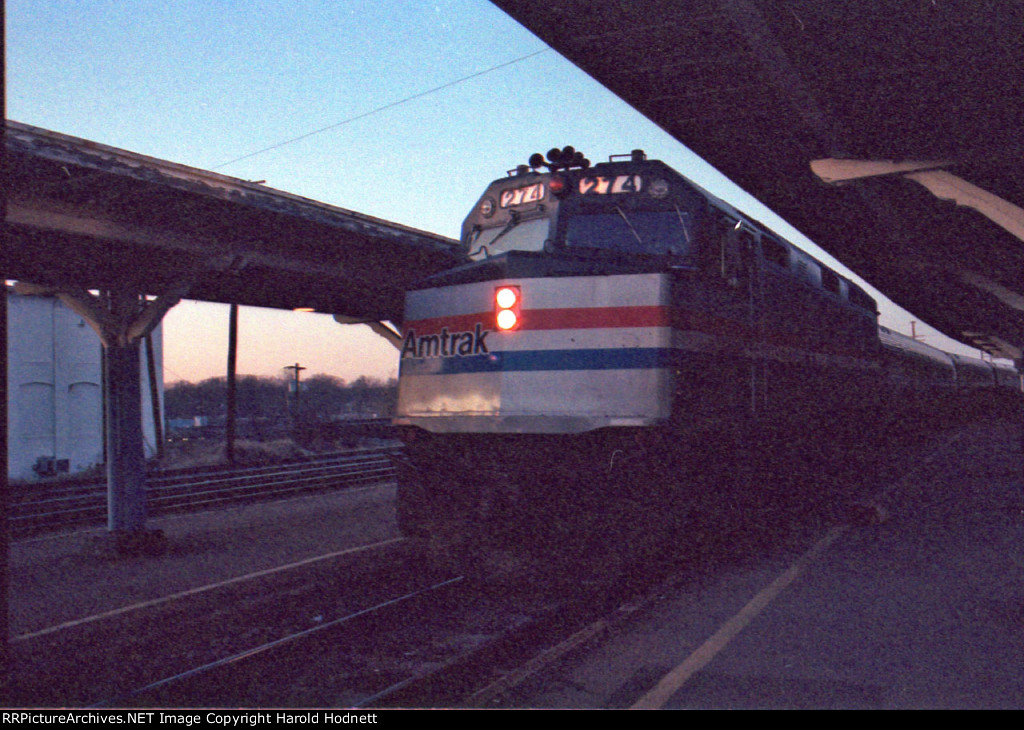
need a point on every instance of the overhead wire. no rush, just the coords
(385, 107)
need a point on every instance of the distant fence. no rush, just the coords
(304, 432)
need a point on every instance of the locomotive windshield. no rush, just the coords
(515, 235)
(640, 232)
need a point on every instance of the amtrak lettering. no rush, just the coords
(446, 344)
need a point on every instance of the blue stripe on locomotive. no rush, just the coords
(540, 360)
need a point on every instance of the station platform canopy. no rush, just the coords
(888, 133)
(86, 216)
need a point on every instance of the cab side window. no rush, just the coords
(775, 252)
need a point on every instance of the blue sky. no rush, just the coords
(204, 83)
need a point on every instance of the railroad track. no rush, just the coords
(360, 629)
(386, 633)
(60, 505)
(445, 643)
(391, 633)
(329, 664)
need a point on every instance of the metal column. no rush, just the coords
(126, 461)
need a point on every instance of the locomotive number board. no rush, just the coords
(610, 185)
(518, 196)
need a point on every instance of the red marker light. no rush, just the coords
(507, 319)
(558, 186)
(506, 297)
(507, 307)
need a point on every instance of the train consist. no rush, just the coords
(615, 328)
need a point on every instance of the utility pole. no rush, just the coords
(232, 405)
(297, 368)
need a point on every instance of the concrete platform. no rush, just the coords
(923, 611)
(70, 577)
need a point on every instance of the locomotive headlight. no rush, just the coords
(659, 188)
(507, 307)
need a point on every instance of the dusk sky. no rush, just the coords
(421, 105)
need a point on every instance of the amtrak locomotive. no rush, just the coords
(616, 327)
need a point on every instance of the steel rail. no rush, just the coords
(41, 508)
(284, 640)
